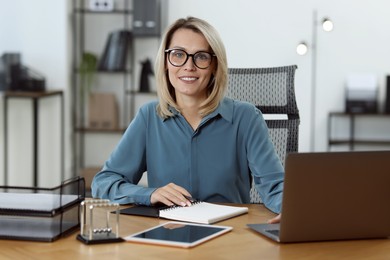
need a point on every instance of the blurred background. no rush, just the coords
(52, 36)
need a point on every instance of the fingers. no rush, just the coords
(275, 219)
(171, 194)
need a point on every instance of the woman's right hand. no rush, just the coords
(171, 194)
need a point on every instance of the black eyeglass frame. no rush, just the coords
(168, 51)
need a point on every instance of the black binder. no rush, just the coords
(115, 52)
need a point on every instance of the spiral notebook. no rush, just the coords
(200, 212)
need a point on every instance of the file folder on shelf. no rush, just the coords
(40, 214)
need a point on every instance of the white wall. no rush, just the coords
(39, 30)
(257, 33)
(265, 33)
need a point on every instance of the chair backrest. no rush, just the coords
(272, 91)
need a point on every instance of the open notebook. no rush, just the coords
(199, 212)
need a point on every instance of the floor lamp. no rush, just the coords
(302, 49)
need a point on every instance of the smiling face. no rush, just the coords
(188, 80)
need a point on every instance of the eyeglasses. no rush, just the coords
(178, 58)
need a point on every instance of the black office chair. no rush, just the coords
(272, 91)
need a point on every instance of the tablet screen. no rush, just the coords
(178, 234)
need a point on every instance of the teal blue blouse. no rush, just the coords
(213, 163)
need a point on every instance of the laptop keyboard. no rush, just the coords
(274, 232)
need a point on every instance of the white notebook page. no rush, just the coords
(202, 212)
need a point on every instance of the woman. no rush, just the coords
(193, 142)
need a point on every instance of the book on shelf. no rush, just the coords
(114, 57)
(199, 212)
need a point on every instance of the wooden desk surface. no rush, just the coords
(240, 243)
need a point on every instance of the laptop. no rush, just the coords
(333, 196)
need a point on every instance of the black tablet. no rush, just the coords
(178, 234)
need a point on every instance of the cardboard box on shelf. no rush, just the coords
(103, 111)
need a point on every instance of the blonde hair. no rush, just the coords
(218, 82)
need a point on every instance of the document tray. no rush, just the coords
(40, 214)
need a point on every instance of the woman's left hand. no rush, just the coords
(275, 219)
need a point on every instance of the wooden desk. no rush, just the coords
(240, 243)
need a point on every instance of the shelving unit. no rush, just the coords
(373, 123)
(91, 30)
